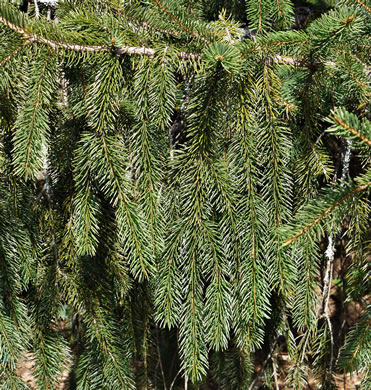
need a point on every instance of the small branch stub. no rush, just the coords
(349, 20)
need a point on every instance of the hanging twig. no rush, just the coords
(327, 280)
(37, 11)
(330, 254)
(347, 155)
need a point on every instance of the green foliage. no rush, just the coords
(355, 354)
(175, 185)
(348, 125)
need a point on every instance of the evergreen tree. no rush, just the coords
(177, 179)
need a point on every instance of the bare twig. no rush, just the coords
(347, 155)
(326, 294)
(160, 360)
(330, 254)
(230, 40)
(163, 62)
(275, 375)
(262, 370)
(37, 11)
(173, 382)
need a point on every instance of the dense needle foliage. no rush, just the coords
(177, 179)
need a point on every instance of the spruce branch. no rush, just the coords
(353, 131)
(33, 119)
(16, 51)
(172, 167)
(32, 126)
(305, 229)
(127, 216)
(363, 5)
(179, 23)
(54, 44)
(354, 77)
(355, 353)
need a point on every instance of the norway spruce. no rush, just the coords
(178, 181)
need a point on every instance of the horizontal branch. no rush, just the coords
(296, 61)
(150, 52)
(90, 49)
(326, 212)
